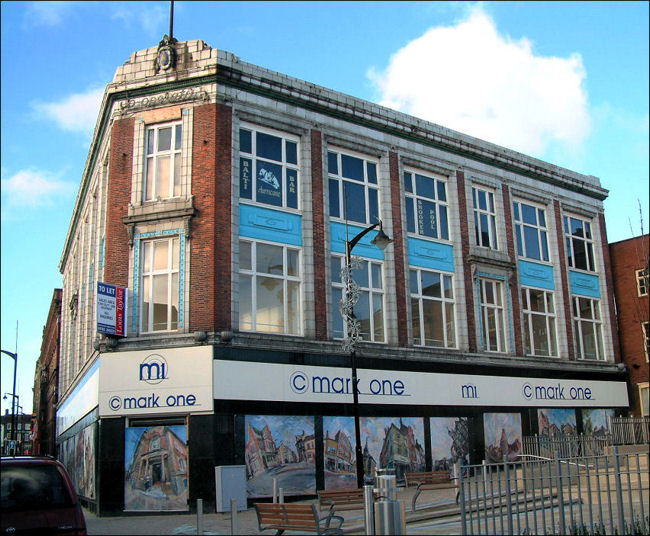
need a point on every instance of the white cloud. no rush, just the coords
(469, 78)
(34, 188)
(49, 13)
(76, 113)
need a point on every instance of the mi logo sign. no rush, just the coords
(469, 390)
(154, 369)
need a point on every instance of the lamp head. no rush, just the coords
(382, 239)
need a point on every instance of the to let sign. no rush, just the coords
(111, 310)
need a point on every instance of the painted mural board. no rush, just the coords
(596, 422)
(449, 442)
(78, 455)
(339, 459)
(155, 468)
(281, 448)
(557, 422)
(393, 444)
(503, 436)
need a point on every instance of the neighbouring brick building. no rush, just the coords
(46, 381)
(221, 195)
(631, 281)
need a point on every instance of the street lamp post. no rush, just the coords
(14, 356)
(352, 329)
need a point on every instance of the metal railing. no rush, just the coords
(564, 446)
(573, 495)
(629, 430)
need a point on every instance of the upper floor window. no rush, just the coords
(369, 310)
(160, 285)
(269, 288)
(163, 161)
(588, 328)
(426, 205)
(579, 243)
(432, 308)
(644, 398)
(539, 322)
(642, 280)
(531, 232)
(484, 218)
(353, 189)
(268, 168)
(645, 328)
(493, 315)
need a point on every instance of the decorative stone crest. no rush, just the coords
(166, 57)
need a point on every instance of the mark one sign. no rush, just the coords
(111, 309)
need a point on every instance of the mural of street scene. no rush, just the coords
(555, 422)
(155, 468)
(338, 449)
(503, 437)
(392, 444)
(449, 442)
(281, 448)
(595, 422)
(78, 456)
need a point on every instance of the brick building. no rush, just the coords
(221, 195)
(46, 381)
(630, 274)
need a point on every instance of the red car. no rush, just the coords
(38, 497)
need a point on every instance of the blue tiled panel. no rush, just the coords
(363, 248)
(537, 275)
(431, 255)
(584, 284)
(268, 224)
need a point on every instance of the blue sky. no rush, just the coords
(566, 82)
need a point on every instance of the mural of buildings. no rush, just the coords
(339, 453)
(502, 436)
(555, 422)
(156, 473)
(595, 422)
(261, 452)
(449, 442)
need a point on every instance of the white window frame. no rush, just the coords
(549, 320)
(499, 310)
(542, 231)
(252, 275)
(642, 280)
(644, 408)
(284, 164)
(175, 155)
(645, 329)
(596, 323)
(372, 291)
(412, 198)
(587, 243)
(343, 181)
(445, 301)
(490, 215)
(146, 324)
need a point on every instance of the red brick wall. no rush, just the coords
(467, 271)
(318, 214)
(564, 281)
(116, 267)
(398, 244)
(626, 258)
(210, 258)
(514, 280)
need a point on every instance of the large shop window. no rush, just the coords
(353, 189)
(588, 328)
(485, 229)
(268, 168)
(369, 310)
(432, 308)
(579, 243)
(493, 315)
(269, 288)
(163, 161)
(531, 232)
(426, 206)
(160, 285)
(539, 322)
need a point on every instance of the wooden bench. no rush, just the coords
(341, 499)
(295, 517)
(426, 480)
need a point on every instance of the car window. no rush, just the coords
(28, 488)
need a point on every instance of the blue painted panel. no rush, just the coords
(431, 255)
(584, 284)
(363, 248)
(537, 275)
(268, 224)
